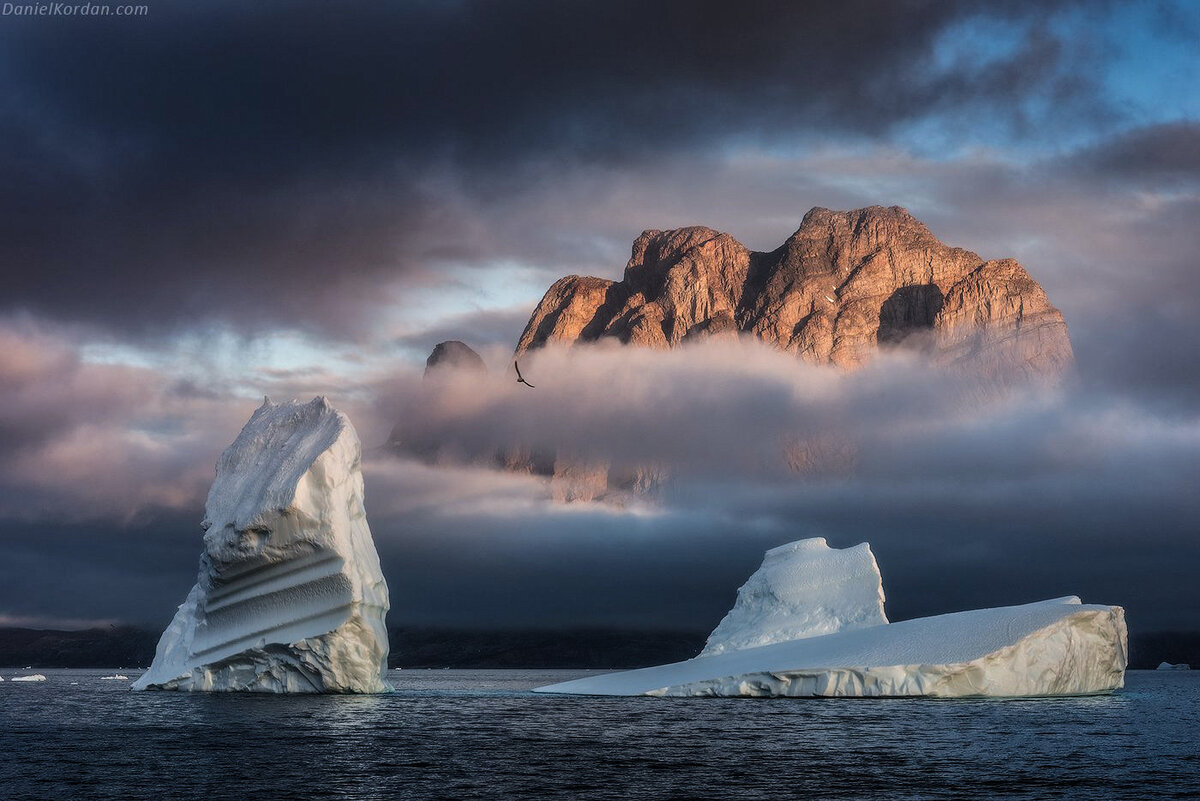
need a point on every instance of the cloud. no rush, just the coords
(479, 330)
(95, 441)
(390, 177)
(307, 168)
(89, 440)
(1158, 156)
(967, 500)
(1036, 493)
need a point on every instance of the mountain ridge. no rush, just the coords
(843, 285)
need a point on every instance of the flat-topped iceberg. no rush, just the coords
(1056, 647)
(290, 596)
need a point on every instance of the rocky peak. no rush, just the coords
(453, 355)
(449, 358)
(843, 285)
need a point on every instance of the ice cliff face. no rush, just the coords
(1059, 647)
(1056, 647)
(803, 589)
(290, 596)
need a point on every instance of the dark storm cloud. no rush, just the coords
(276, 163)
(1165, 156)
(95, 572)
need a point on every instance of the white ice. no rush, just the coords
(114, 677)
(290, 596)
(34, 677)
(803, 589)
(1055, 647)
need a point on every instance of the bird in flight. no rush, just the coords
(521, 378)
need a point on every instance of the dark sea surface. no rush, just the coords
(461, 734)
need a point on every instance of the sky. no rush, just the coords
(210, 203)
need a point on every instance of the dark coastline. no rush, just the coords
(127, 646)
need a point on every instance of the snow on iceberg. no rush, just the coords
(803, 589)
(290, 596)
(1055, 647)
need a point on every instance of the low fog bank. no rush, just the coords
(970, 497)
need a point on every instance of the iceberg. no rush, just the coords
(114, 677)
(34, 677)
(1177, 666)
(290, 596)
(803, 589)
(1049, 648)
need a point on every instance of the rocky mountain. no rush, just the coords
(845, 284)
(454, 355)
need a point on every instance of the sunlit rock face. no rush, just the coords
(803, 589)
(810, 623)
(290, 596)
(842, 286)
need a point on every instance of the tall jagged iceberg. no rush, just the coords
(772, 643)
(290, 596)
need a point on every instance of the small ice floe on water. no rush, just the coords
(114, 677)
(1169, 666)
(74, 683)
(33, 677)
(1, 678)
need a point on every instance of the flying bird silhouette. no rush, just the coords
(521, 378)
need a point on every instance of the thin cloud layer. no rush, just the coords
(86, 441)
(969, 500)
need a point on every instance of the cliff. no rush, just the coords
(842, 286)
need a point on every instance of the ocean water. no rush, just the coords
(457, 734)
